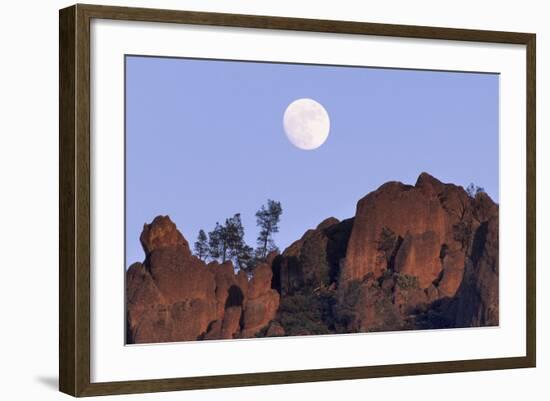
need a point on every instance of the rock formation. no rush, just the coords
(412, 257)
(174, 296)
(263, 301)
(314, 260)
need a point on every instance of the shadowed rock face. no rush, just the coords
(477, 296)
(413, 257)
(314, 260)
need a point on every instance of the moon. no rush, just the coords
(306, 124)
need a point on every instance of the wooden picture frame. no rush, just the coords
(74, 203)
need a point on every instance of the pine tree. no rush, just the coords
(267, 218)
(239, 252)
(201, 245)
(226, 242)
(217, 243)
(244, 257)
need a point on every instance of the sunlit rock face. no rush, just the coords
(416, 215)
(174, 296)
(430, 237)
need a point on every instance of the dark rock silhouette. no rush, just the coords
(413, 257)
(314, 260)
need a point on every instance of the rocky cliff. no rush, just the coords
(174, 296)
(413, 257)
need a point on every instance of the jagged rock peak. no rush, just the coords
(161, 233)
(429, 184)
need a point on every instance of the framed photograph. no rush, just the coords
(250, 200)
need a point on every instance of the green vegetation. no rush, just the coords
(404, 281)
(226, 241)
(313, 259)
(345, 311)
(388, 243)
(462, 232)
(201, 245)
(307, 313)
(472, 190)
(267, 218)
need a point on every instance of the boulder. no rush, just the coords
(162, 233)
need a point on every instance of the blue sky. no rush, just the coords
(205, 140)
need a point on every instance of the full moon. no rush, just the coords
(306, 124)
